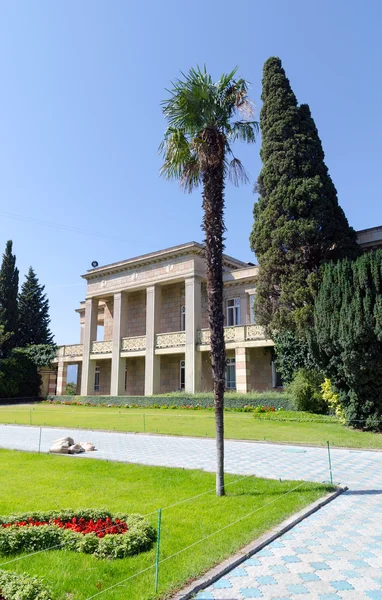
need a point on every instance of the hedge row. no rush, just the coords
(15, 586)
(276, 399)
(15, 539)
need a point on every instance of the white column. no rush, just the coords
(90, 335)
(117, 363)
(152, 363)
(193, 323)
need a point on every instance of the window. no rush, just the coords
(182, 374)
(252, 317)
(230, 374)
(183, 318)
(96, 379)
(277, 380)
(233, 311)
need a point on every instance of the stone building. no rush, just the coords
(144, 327)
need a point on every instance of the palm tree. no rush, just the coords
(204, 118)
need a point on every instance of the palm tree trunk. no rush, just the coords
(213, 226)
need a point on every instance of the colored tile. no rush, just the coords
(279, 569)
(238, 573)
(266, 580)
(297, 588)
(309, 577)
(204, 596)
(374, 594)
(222, 584)
(319, 566)
(252, 562)
(359, 564)
(291, 559)
(341, 585)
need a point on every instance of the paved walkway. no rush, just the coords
(334, 554)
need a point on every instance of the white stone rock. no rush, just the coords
(76, 449)
(62, 445)
(87, 446)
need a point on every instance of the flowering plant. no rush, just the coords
(92, 531)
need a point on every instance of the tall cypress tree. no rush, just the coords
(298, 224)
(33, 313)
(9, 288)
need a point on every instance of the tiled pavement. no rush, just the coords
(334, 554)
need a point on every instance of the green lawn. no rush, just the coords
(43, 482)
(282, 426)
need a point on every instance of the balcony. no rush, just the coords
(175, 339)
(134, 344)
(71, 351)
(102, 347)
(238, 333)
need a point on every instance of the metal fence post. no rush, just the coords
(158, 551)
(330, 464)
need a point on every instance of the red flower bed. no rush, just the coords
(101, 527)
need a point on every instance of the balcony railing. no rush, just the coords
(170, 340)
(72, 350)
(134, 344)
(237, 333)
(102, 347)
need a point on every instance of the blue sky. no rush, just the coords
(80, 121)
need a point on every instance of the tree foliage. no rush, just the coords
(9, 287)
(33, 313)
(204, 118)
(298, 224)
(292, 354)
(19, 377)
(41, 354)
(347, 337)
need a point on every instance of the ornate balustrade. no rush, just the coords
(72, 350)
(254, 332)
(102, 347)
(170, 340)
(134, 344)
(238, 333)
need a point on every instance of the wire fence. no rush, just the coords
(323, 474)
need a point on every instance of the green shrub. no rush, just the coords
(333, 400)
(71, 389)
(15, 539)
(232, 400)
(21, 586)
(306, 392)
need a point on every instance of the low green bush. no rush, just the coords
(306, 392)
(232, 400)
(15, 539)
(21, 586)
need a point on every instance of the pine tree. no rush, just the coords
(9, 287)
(298, 224)
(33, 313)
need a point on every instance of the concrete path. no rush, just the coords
(334, 554)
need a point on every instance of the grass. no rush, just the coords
(281, 426)
(43, 482)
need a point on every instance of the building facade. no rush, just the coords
(144, 328)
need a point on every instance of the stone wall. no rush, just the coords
(172, 299)
(260, 369)
(104, 377)
(136, 314)
(135, 376)
(170, 372)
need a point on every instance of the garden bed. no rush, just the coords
(97, 532)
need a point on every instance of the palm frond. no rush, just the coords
(237, 173)
(244, 131)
